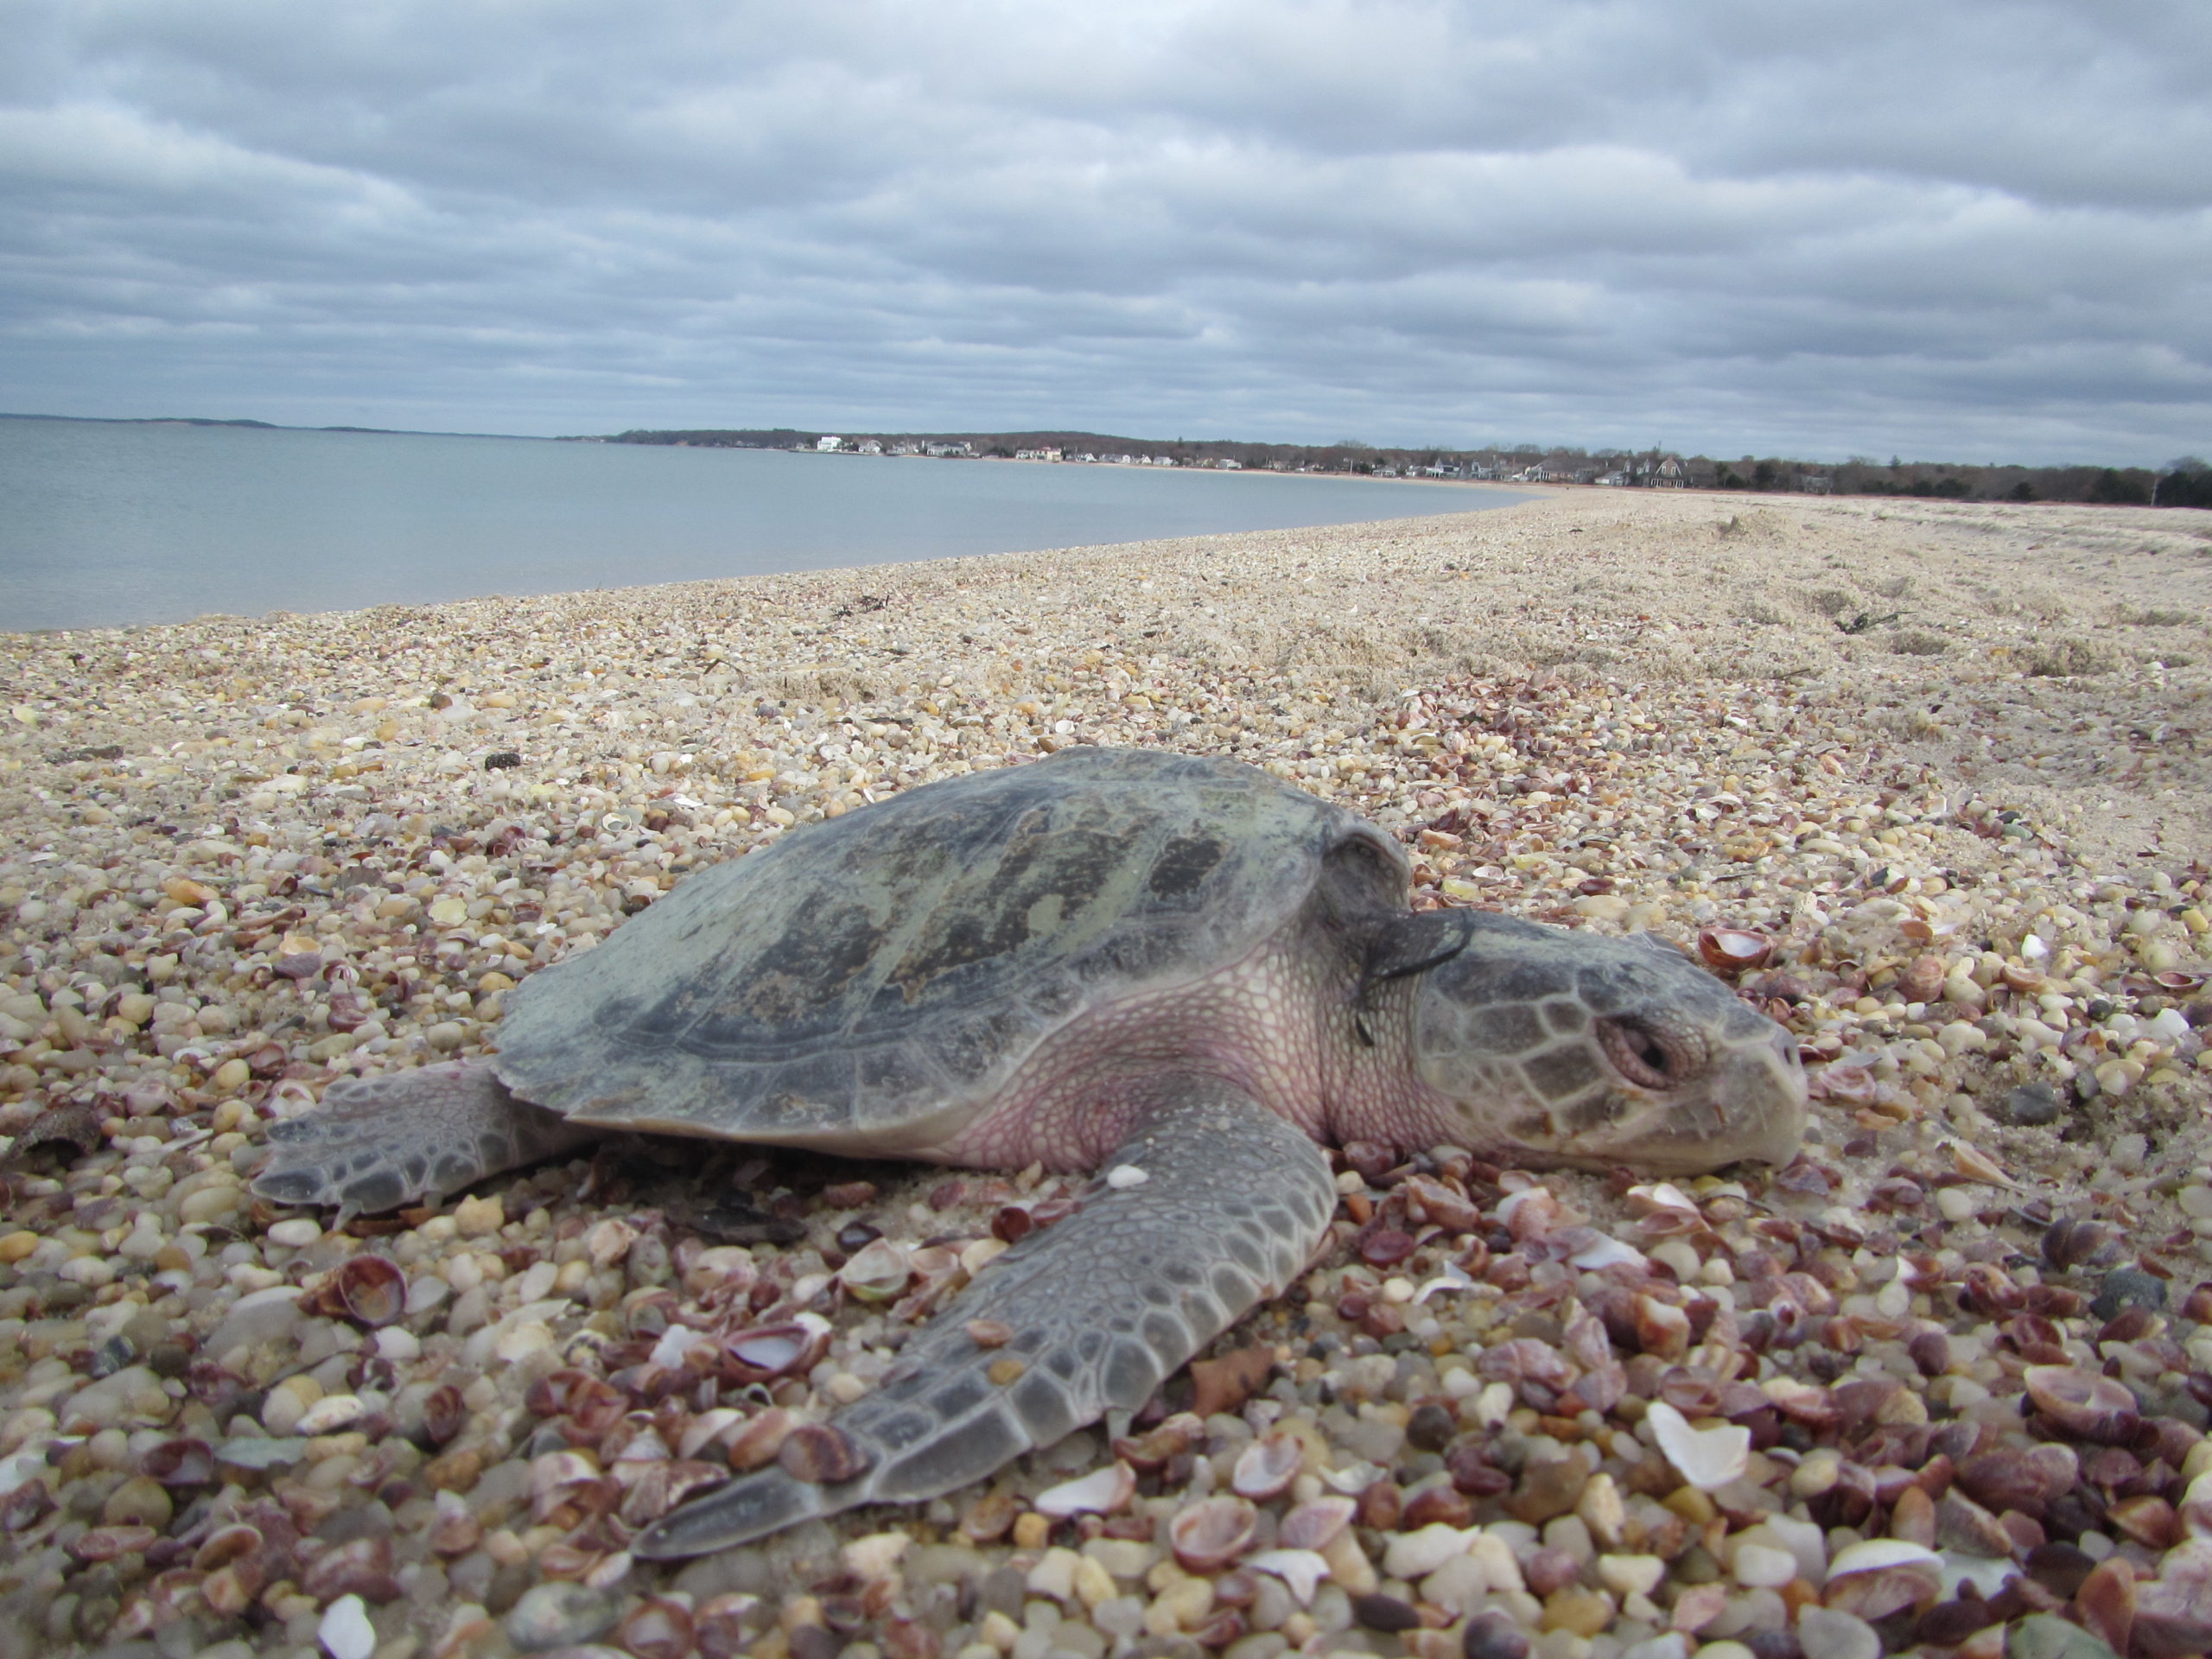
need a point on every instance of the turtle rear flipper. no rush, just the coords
(375, 1143)
(1212, 1204)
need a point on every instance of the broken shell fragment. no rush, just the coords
(1882, 1576)
(1734, 949)
(368, 1290)
(768, 1351)
(879, 1272)
(1316, 1525)
(1266, 1468)
(1102, 1491)
(179, 1463)
(1302, 1570)
(2095, 1408)
(1211, 1533)
(822, 1454)
(1706, 1457)
(757, 1444)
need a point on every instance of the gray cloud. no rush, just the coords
(1980, 229)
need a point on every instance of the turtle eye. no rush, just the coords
(1640, 1053)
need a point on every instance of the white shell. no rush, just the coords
(1100, 1492)
(1302, 1570)
(1123, 1176)
(1874, 1553)
(1708, 1458)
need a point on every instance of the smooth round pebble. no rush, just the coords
(1760, 1568)
(345, 1631)
(559, 1615)
(1830, 1633)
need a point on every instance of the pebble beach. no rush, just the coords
(1927, 781)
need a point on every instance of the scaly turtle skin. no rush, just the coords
(1177, 971)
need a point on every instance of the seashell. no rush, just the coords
(768, 1351)
(2015, 1477)
(1153, 1450)
(822, 1454)
(2084, 1403)
(1385, 1247)
(1661, 1329)
(179, 1463)
(359, 1566)
(1315, 1525)
(1352, 1478)
(2106, 1602)
(330, 1414)
(607, 1242)
(1454, 1211)
(660, 1629)
(660, 1487)
(2173, 1613)
(1211, 1533)
(725, 1626)
(1706, 1457)
(1266, 1468)
(229, 1591)
(707, 1427)
(225, 1545)
(1734, 949)
(1102, 1491)
(1529, 1213)
(1844, 1081)
(1437, 1506)
(2148, 1520)
(2070, 1242)
(1301, 1570)
(1602, 1250)
(553, 1474)
(368, 1290)
(755, 1446)
(443, 1413)
(456, 1531)
(878, 1273)
(1922, 979)
(990, 1333)
(1881, 1576)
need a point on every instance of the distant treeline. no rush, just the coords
(2184, 483)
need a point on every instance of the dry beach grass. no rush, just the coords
(1948, 760)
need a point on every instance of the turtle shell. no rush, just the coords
(869, 983)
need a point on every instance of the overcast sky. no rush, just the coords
(1976, 230)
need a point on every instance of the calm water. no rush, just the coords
(104, 525)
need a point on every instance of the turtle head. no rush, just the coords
(1575, 1048)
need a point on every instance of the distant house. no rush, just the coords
(1616, 480)
(1815, 483)
(871, 447)
(828, 443)
(907, 449)
(1228, 466)
(957, 450)
(1670, 474)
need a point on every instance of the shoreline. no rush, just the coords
(243, 857)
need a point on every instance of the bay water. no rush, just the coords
(112, 523)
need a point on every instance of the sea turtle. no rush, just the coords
(1180, 973)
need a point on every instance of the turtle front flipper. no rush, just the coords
(375, 1143)
(1212, 1204)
